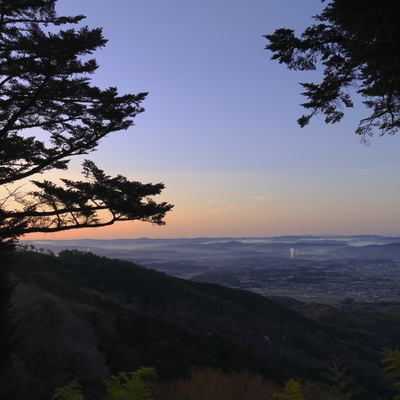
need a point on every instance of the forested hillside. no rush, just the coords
(84, 316)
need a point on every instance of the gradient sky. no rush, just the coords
(220, 126)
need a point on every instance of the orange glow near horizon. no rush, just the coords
(259, 218)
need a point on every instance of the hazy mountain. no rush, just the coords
(145, 250)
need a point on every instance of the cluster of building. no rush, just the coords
(315, 280)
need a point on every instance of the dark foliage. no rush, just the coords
(89, 316)
(7, 314)
(372, 325)
(358, 44)
(45, 85)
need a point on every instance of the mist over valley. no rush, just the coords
(325, 269)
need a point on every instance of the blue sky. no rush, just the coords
(220, 126)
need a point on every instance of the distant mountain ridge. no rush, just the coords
(144, 249)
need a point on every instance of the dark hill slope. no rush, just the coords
(259, 305)
(88, 316)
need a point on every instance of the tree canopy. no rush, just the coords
(50, 112)
(357, 42)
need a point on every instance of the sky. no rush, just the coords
(220, 126)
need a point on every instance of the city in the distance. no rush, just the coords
(309, 268)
